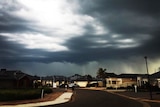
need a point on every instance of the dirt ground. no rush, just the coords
(47, 97)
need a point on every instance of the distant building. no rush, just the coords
(53, 81)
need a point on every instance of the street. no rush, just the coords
(93, 98)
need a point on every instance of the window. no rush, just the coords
(109, 82)
(113, 82)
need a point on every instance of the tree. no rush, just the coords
(89, 77)
(101, 73)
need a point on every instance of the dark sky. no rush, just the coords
(64, 37)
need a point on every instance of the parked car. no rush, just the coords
(73, 85)
(63, 86)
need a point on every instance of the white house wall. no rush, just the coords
(158, 82)
(114, 82)
(119, 82)
(82, 83)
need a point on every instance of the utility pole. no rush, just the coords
(150, 91)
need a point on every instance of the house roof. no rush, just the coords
(12, 74)
(156, 75)
(59, 78)
(131, 75)
(110, 74)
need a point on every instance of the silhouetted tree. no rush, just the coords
(89, 77)
(101, 73)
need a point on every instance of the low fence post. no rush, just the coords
(42, 93)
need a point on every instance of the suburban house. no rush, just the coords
(46, 81)
(53, 81)
(15, 79)
(126, 80)
(19, 79)
(85, 81)
(96, 82)
(56, 81)
(81, 81)
(155, 79)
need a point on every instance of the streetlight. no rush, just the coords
(150, 91)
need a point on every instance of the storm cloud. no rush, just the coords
(46, 37)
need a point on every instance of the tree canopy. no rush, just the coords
(101, 73)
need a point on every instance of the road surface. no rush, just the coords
(93, 98)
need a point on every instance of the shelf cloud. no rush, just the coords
(65, 37)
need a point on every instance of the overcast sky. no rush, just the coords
(65, 37)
